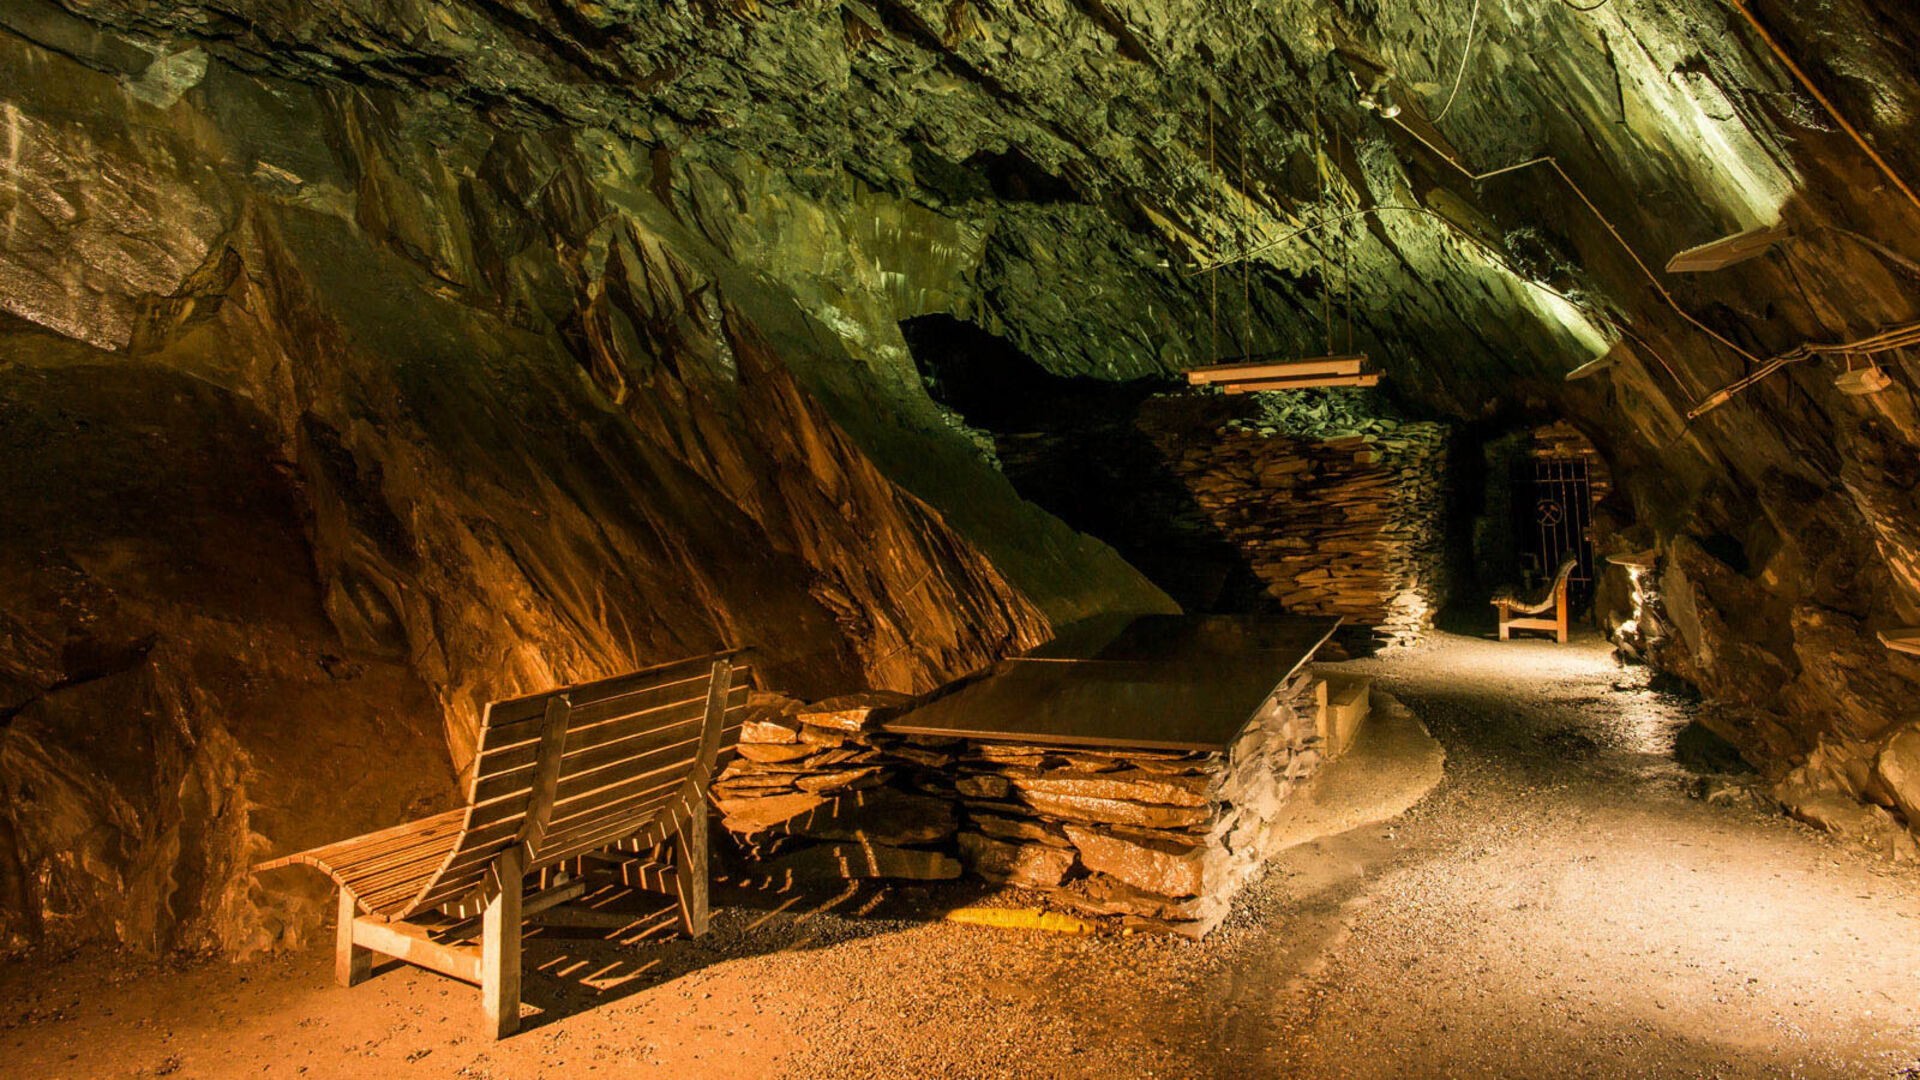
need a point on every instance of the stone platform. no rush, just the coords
(1136, 770)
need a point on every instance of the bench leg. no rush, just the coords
(1505, 633)
(690, 871)
(351, 963)
(500, 951)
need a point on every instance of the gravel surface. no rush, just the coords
(1560, 906)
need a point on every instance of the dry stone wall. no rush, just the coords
(1351, 525)
(1314, 506)
(1152, 840)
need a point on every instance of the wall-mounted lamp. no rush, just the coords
(1903, 639)
(1598, 364)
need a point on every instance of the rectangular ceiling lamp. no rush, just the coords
(1312, 382)
(1728, 250)
(1297, 374)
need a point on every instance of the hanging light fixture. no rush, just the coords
(1728, 250)
(1255, 375)
(1859, 382)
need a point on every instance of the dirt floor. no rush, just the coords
(1561, 905)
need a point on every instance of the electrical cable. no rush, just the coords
(1825, 103)
(1886, 341)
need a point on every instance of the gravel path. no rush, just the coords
(1560, 906)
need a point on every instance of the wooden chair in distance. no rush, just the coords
(1518, 614)
(568, 785)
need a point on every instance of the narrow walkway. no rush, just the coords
(1563, 905)
(1559, 907)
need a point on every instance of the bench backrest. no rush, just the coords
(575, 769)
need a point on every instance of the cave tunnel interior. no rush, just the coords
(923, 537)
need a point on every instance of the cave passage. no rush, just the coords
(896, 538)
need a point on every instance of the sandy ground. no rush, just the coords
(1559, 906)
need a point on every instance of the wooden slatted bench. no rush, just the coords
(1518, 614)
(569, 783)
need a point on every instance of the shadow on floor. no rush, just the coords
(620, 941)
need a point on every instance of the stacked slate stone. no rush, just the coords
(1154, 840)
(817, 792)
(1160, 840)
(1350, 525)
(1336, 508)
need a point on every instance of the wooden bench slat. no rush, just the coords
(361, 861)
(629, 815)
(649, 835)
(346, 852)
(384, 838)
(418, 868)
(583, 803)
(573, 792)
(392, 899)
(507, 746)
(516, 761)
(490, 841)
(643, 762)
(532, 706)
(580, 738)
(634, 742)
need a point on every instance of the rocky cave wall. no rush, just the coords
(329, 418)
(557, 336)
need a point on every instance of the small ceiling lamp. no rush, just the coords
(1860, 382)
(1728, 250)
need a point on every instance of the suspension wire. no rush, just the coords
(1213, 229)
(1320, 172)
(1246, 228)
(1346, 252)
(1473, 21)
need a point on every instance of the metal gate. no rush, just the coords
(1563, 509)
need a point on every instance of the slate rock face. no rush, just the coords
(1898, 770)
(347, 416)
(1097, 810)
